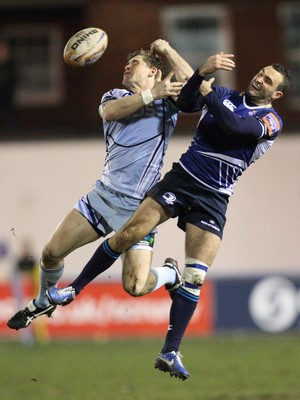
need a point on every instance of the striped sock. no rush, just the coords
(102, 259)
(182, 310)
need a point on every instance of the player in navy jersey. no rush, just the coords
(138, 122)
(234, 130)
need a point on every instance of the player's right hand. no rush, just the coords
(166, 87)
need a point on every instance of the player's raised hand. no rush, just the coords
(165, 88)
(159, 47)
(217, 62)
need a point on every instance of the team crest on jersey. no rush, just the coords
(170, 198)
(227, 103)
(272, 123)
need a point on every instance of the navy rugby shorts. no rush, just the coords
(184, 197)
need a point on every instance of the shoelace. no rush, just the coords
(178, 357)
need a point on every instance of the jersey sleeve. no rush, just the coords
(272, 123)
(252, 126)
(114, 94)
(190, 99)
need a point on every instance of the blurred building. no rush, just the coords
(54, 100)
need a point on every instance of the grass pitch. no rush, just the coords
(229, 367)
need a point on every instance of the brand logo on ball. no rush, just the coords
(83, 37)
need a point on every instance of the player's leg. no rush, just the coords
(136, 276)
(149, 214)
(201, 249)
(139, 277)
(74, 231)
(105, 255)
(146, 217)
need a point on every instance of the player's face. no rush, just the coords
(136, 72)
(263, 87)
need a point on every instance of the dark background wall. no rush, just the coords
(257, 41)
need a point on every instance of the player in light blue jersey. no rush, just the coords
(138, 122)
(234, 130)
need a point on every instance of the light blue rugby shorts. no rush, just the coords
(108, 210)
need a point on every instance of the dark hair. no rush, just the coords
(149, 59)
(286, 75)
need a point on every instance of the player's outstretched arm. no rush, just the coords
(115, 110)
(121, 108)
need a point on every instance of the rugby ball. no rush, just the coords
(85, 47)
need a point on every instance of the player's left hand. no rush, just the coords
(205, 87)
(217, 62)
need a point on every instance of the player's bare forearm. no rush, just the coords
(121, 108)
(162, 48)
(183, 71)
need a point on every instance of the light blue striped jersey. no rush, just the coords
(136, 145)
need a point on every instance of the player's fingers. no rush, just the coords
(227, 55)
(176, 85)
(158, 75)
(226, 62)
(170, 75)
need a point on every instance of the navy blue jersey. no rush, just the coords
(231, 134)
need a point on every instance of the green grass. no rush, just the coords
(223, 367)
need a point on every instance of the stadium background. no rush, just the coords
(54, 152)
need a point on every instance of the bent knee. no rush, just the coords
(50, 256)
(133, 289)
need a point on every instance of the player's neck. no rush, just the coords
(257, 102)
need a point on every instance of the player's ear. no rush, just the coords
(277, 95)
(153, 71)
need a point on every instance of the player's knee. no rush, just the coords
(50, 257)
(194, 275)
(133, 290)
(132, 287)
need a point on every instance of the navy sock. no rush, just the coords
(181, 313)
(102, 259)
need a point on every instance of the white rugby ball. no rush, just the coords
(85, 47)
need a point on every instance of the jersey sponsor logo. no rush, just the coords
(272, 123)
(147, 111)
(170, 198)
(227, 103)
